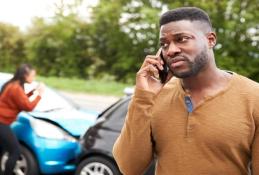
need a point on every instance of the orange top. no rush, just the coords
(14, 100)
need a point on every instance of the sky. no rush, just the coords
(20, 12)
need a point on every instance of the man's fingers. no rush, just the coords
(153, 62)
(149, 70)
(153, 57)
(158, 55)
(159, 52)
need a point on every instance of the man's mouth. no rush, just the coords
(177, 62)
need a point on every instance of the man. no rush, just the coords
(202, 121)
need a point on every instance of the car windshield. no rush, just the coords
(50, 100)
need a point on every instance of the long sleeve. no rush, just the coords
(30, 93)
(255, 153)
(22, 101)
(133, 148)
(255, 145)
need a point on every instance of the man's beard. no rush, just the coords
(194, 67)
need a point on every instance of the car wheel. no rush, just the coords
(26, 165)
(97, 166)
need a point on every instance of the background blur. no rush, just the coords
(103, 43)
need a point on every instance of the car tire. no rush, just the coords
(26, 165)
(97, 164)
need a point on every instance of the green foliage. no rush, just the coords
(124, 33)
(93, 86)
(60, 48)
(129, 31)
(11, 47)
(121, 33)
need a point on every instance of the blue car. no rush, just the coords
(49, 135)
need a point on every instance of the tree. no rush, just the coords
(60, 48)
(123, 33)
(12, 51)
(126, 31)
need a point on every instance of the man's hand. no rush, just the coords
(148, 76)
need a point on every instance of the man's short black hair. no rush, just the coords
(185, 13)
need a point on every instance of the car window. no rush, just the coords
(117, 116)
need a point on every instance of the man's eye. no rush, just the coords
(164, 45)
(183, 38)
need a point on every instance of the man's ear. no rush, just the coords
(212, 39)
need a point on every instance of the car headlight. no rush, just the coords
(47, 130)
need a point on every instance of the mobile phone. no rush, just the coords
(163, 74)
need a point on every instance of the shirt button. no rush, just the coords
(191, 127)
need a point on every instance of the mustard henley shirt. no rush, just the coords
(219, 137)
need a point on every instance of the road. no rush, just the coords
(89, 101)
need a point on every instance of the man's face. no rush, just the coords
(184, 46)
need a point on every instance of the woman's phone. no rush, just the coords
(163, 74)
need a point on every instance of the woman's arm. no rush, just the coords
(22, 100)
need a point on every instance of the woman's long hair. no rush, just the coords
(19, 76)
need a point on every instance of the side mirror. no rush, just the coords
(128, 91)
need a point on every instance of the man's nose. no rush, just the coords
(172, 50)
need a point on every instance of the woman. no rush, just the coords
(12, 101)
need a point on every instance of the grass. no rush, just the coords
(102, 87)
